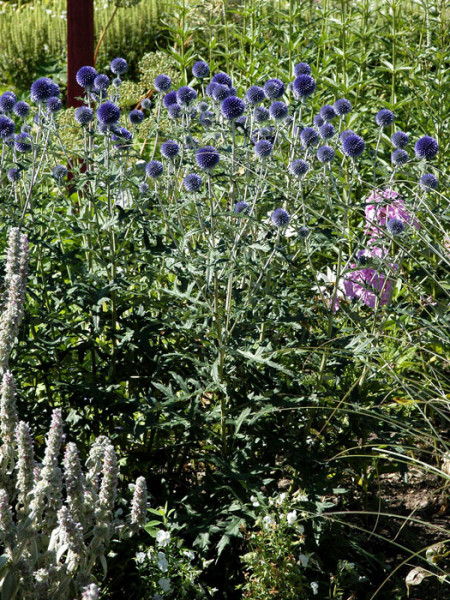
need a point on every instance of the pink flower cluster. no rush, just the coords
(385, 205)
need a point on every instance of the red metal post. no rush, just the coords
(80, 44)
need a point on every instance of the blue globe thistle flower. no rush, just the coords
(22, 142)
(261, 114)
(202, 106)
(325, 154)
(220, 92)
(309, 136)
(232, 108)
(206, 118)
(59, 172)
(42, 89)
(186, 95)
(169, 99)
(146, 103)
(298, 167)
(274, 88)
(318, 121)
(200, 70)
(384, 117)
(241, 207)
(342, 107)
(118, 66)
(326, 131)
(162, 83)
(207, 157)
(395, 226)
(278, 111)
(222, 78)
(327, 112)
(21, 109)
(86, 76)
(84, 115)
(7, 101)
(6, 127)
(302, 68)
(102, 82)
(174, 111)
(263, 149)
(280, 217)
(170, 149)
(136, 116)
(154, 169)
(303, 86)
(192, 182)
(143, 188)
(429, 182)
(210, 88)
(117, 82)
(303, 233)
(399, 157)
(233, 91)
(122, 137)
(400, 139)
(353, 145)
(108, 113)
(345, 134)
(255, 95)
(54, 105)
(14, 175)
(25, 128)
(427, 147)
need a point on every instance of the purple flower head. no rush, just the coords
(232, 108)
(327, 112)
(101, 82)
(278, 111)
(298, 167)
(280, 217)
(210, 88)
(427, 147)
(117, 82)
(302, 68)
(154, 169)
(192, 182)
(170, 149)
(353, 145)
(162, 83)
(384, 117)
(263, 149)
(146, 103)
(169, 99)
(261, 114)
(207, 158)
(108, 113)
(174, 111)
(400, 139)
(21, 109)
(429, 182)
(186, 95)
(6, 127)
(122, 137)
(54, 105)
(59, 172)
(14, 175)
(318, 121)
(206, 118)
(274, 88)
(84, 115)
(42, 89)
(345, 134)
(86, 76)
(144, 188)
(241, 207)
(200, 70)
(342, 107)
(222, 78)
(309, 137)
(326, 131)
(325, 154)
(303, 86)
(136, 116)
(303, 233)
(220, 92)
(395, 226)
(399, 157)
(7, 101)
(118, 66)
(255, 95)
(22, 142)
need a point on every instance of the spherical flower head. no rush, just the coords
(108, 113)
(261, 114)
(84, 115)
(86, 76)
(222, 78)
(353, 145)
(278, 111)
(42, 89)
(326, 131)
(309, 137)
(429, 182)
(303, 233)
(59, 172)
(144, 188)
(162, 83)
(118, 66)
(342, 107)
(117, 82)
(427, 147)
(400, 139)
(302, 68)
(14, 175)
(345, 134)
(399, 157)
(169, 99)
(274, 88)
(146, 103)
(318, 121)
(207, 158)
(6, 127)
(186, 95)
(303, 86)
(220, 92)
(280, 217)
(200, 70)
(192, 182)
(327, 112)
(255, 95)
(210, 88)
(232, 108)
(122, 137)
(241, 207)
(136, 116)
(22, 142)
(325, 154)
(174, 111)
(21, 109)
(101, 82)
(263, 149)
(395, 226)
(298, 167)
(170, 149)
(154, 169)
(54, 105)
(202, 106)
(7, 101)
(384, 117)
(206, 118)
